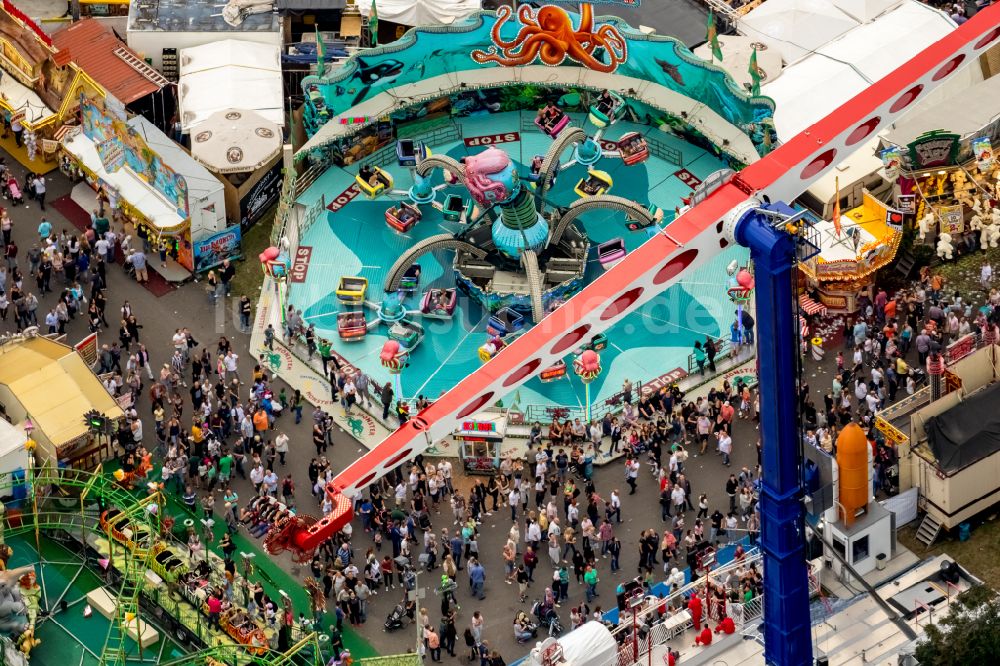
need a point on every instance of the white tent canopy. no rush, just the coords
(965, 114)
(807, 90)
(223, 74)
(421, 12)
(736, 53)
(865, 10)
(796, 27)
(590, 644)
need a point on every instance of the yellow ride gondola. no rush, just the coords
(373, 181)
(352, 289)
(595, 184)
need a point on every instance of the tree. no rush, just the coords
(968, 634)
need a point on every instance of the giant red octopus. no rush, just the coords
(548, 34)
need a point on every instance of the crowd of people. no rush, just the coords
(886, 347)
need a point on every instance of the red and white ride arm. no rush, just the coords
(663, 260)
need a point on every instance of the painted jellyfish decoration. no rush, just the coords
(587, 367)
(740, 290)
(393, 358)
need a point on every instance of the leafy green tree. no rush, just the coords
(968, 634)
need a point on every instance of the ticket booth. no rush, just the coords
(480, 442)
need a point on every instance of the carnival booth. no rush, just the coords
(480, 440)
(156, 191)
(852, 248)
(47, 389)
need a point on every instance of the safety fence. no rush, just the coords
(659, 631)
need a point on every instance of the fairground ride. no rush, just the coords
(747, 209)
(100, 580)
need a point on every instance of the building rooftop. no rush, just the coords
(97, 51)
(193, 16)
(55, 387)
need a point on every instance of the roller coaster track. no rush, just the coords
(444, 162)
(439, 242)
(530, 261)
(566, 138)
(601, 202)
(134, 564)
(222, 655)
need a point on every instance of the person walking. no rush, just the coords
(433, 642)
(590, 579)
(39, 186)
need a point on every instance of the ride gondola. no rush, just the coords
(551, 120)
(504, 322)
(410, 153)
(610, 253)
(352, 326)
(351, 289)
(633, 148)
(373, 181)
(605, 110)
(439, 303)
(595, 184)
(403, 217)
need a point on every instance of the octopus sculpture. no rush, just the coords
(491, 177)
(548, 34)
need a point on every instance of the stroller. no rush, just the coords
(395, 620)
(14, 191)
(547, 617)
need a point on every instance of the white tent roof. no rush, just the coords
(421, 12)
(865, 10)
(808, 89)
(590, 644)
(796, 27)
(880, 47)
(218, 76)
(965, 113)
(736, 53)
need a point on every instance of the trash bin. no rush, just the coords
(964, 530)
(880, 561)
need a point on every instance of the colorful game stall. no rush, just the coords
(852, 248)
(150, 182)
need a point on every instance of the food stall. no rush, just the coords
(480, 439)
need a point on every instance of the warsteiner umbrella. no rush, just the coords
(234, 141)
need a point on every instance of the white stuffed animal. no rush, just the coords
(977, 205)
(925, 224)
(989, 236)
(976, 223)
(995, 216)
(944, 246)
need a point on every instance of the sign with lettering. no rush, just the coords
(933, 149)
(952, 219)
(492, 139)
(688, 178)
(211, 251)
(259, 199)
(837, 267)
(112, 154)
(907, 203)
(344, 198)
(664, 380)
(300, 264)
(479, 426)
(960, 348)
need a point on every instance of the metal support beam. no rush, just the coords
(787, 629)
